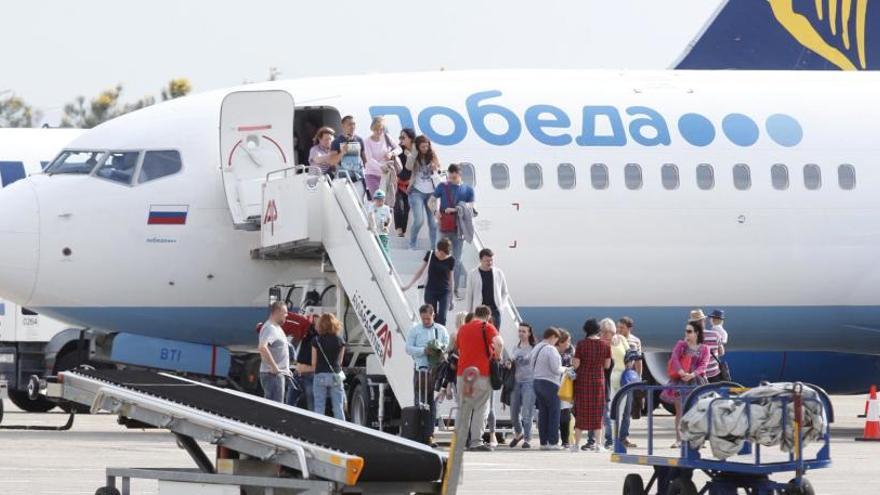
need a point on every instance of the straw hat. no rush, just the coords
(696, 315)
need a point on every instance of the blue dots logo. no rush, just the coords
(696, 129)
(740, 129)
(784, 129)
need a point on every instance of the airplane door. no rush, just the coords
(256, 137)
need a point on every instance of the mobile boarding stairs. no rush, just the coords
(306, 214)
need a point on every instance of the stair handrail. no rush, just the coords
(392, 273)
(301, 168)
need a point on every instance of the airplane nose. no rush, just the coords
(19, 241)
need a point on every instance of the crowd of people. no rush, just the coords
(608, 357)
(405, 175)
(402, 179)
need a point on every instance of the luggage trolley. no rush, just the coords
(673, 475)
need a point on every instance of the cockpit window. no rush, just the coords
(159, 164)
(76, 162)
(119, 166)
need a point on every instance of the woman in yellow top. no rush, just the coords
(619, 346)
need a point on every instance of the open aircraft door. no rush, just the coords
(256, 137)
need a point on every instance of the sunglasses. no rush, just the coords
(688, 331)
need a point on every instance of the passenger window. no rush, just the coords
(812, 176)
(566, 176)
(533, 176)
(119, 166)
(11, 172)
(159, 164)
(779, 176)
(669, 176)
(742, 177)
(846, 177)
(632, 176)
(468, 175)
(599, 176)
(500, 176)
(705, 176)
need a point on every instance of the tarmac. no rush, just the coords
(74, 461)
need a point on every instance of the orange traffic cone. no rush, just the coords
(868, 401)
(872, 420)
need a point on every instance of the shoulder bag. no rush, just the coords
(496, 379)
(723, 367)
(436, 179)
(339, 376)
(394, 163)
(447, 220)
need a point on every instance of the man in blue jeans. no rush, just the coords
(426, 342)
(451, 193)
(275, 357)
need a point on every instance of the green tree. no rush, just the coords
(106, 105)
(15, 112)
(176, 88)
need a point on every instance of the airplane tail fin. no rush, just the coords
(788, 35)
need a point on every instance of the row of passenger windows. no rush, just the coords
(566, 176)
(118, 166)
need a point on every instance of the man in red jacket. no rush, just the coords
(477, 343)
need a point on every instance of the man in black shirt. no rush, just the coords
(487, 286)
(438, 288)
(306, 368)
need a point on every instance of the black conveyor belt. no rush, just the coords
(386, 457)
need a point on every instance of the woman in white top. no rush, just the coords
(319, 155)
(381, 158)
(424, 165)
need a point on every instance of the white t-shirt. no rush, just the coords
(381, 217)
(422, 179)
(272, 335)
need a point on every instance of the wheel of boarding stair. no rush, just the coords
(805, 489)
(633, 485)
(22, 401)
(106, 490)
(682, 486)
(359, 406)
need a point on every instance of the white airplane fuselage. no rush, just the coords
(794, 267)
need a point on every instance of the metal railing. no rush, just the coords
(387, 268)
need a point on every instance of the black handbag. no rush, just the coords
(496, 374)
(724, 368)
(509, 385)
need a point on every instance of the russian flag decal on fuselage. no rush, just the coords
(167, 215)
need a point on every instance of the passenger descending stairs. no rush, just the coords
(306, 215)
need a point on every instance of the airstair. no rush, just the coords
(306, 213)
